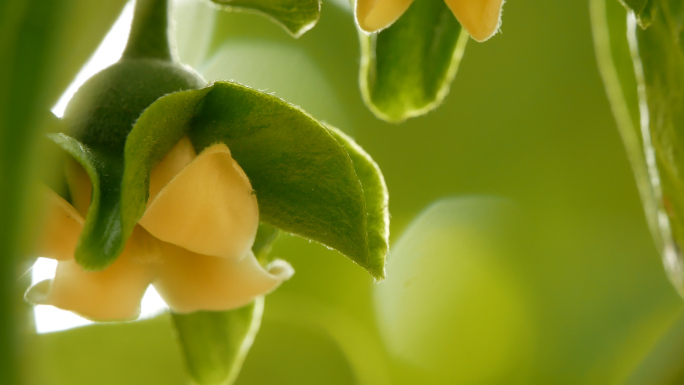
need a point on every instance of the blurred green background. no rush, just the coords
(537, 268)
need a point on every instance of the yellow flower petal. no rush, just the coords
(481, 18)
(61, 228)
(374, 15)
(113, 294)
(208, 207)
(191, 282)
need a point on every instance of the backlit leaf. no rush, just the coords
(407, 69)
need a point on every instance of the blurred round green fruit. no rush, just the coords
(105, 108)
(451, 311)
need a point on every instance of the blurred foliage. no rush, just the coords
(527, 119)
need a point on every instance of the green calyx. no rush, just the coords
(106, 107)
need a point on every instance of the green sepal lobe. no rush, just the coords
(407, 69)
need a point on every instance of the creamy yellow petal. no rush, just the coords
(61, 228)
(113, 294)
(191, 282)
(374, 15)
(208, 208)
(80, 186)
(481, 18)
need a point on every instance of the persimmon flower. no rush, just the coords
(193, 243)
(481, 18)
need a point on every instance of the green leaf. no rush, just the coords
(101, 240)
(304, 179)
(407, 69)
(609, 27)
(296, 16)
(216, 343)
(376, 196)
(660, 72)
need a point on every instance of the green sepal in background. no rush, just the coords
(407, 69)
(615, 63)
(296, 16)
(660, 73)
(216, 343)
(101, 241)
(652, 60)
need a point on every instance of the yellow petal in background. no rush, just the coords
(481, 18)
(61, 228)
(374, 15)
(208, 207)
(191, 282)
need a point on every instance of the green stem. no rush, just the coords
(150, 37)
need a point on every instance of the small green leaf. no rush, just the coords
(215, 343)
(296, 16)
(407, 69)
(660, 72)
(376, 196)
(102, 240)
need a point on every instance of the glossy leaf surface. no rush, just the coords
(296, 16)
(407, 69)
